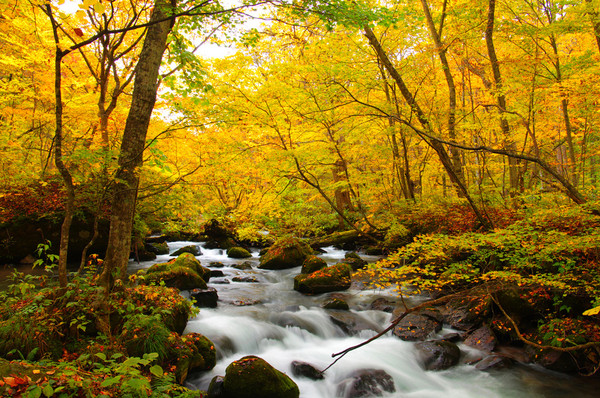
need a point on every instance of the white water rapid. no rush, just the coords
(271, 320)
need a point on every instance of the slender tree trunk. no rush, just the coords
(513, 164)
(595, 18)
(132, 146)
(58, 155)
(441, 51)
(437, 145)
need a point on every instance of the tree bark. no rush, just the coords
(132, 146)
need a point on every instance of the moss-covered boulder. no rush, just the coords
(311, 264)
(288, 253)
(329, 279)
(252, 377)
(192, 249)
(354, 260)
(336, 304)
(157, 247)
(238, 252)
(195, 352)
(184, 273)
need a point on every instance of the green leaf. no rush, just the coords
(35, 392)
(48, 390)
(111, 381)
(156, 371)
(101, 355)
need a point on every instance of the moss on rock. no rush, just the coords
(286, 253)
(251, 377)
(238, 252)
(184, 273)
(330, 279)
(311, 264)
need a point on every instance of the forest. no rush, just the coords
(455, 144)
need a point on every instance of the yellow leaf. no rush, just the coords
(593, 311)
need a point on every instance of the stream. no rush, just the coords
(269, 319)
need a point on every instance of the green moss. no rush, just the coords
(312, 263)
(330, 279)
(184, 272)
(287, 253)
(252, 377)
(238, 252)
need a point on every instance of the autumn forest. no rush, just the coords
(458, 141)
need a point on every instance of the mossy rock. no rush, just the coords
(330, 279)
(354, 260)
(177, 267)
(181, 278)
(288, 253)
(238, 252)
(158, 247)
(195, 352)
(144, 334)
(311, 264)
(336, 304)
(251, 377)
(192, 249)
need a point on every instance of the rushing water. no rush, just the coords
(271, 320)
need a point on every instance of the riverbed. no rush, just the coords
(267, 318)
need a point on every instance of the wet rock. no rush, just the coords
(329, 279)
(288, 253)
(416, 327)
(374, 251)
(245, 266)
(245, 302)
(205, 297)
(221, 282)
(304, 369)
(336, 304)
(460, 318)
(557, 361)
(517, 354)
(183, 273)
(312, 264)
(193, 249)
(157, 248)
(216, 264)
(437, 355)
(351, 323)
(354, 260)
(196, 352)
(366, 383)
(247, 279)
(252, 377)
(494, 362)
(482, 339)
(382, 304)
(144, 255)
(216, 273)
(215, 388)
(452, 337)
(238, 252)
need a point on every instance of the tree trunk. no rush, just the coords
(58, 155)
(434, 143)
(513, 164)
(441, 50)
(132, 146)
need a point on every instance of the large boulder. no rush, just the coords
(414, 327)
(437, 355)
(252, 377)
(311, 264)
(184, 273)
(329, 279)
(195, 352)
(193, 249)
(366, 383)
(288, 253)
(157, 247)
(354, 260)
(482, 339)
(238, 252)
(206, 298)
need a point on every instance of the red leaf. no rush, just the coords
(78, 32)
